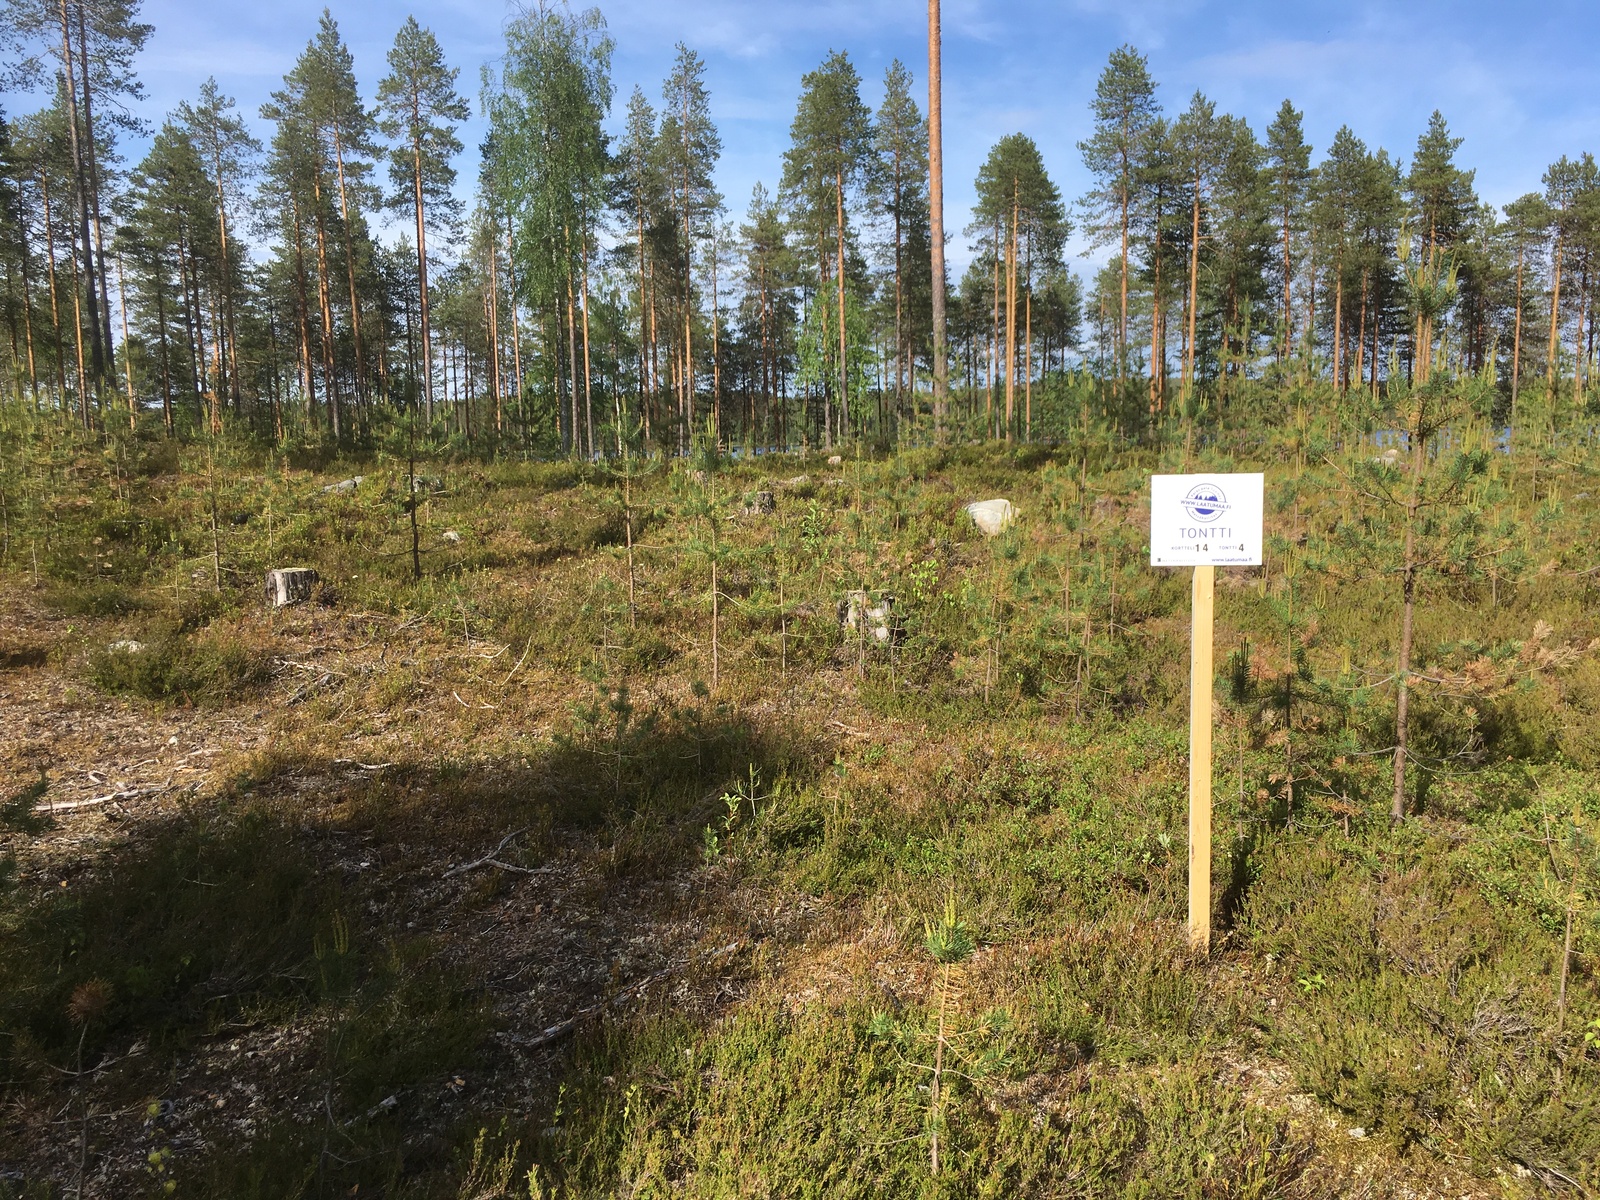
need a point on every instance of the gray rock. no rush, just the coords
(345, 485)
(451, 536)
(126, 646)
(761, 504)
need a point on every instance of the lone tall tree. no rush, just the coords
(420, 109)
(941, 365)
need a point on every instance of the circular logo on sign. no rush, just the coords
(1205, 502)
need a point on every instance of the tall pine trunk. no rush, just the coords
(844, 361)
(422, 271)
(81, 194)
(941, 365)
(350, 267)
(1011, 315)
(55, 305)
(1194, 291)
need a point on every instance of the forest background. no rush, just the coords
(268, 271)
(630, 811)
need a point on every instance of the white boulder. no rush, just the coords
(992, 516)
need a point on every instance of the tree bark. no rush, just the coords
(716, 346)
(844, 360)
(1011, 314)
(55, 307)
(81, 192)
(994, 338)
(516, 334)
(422, 269)
(1338, 322)
(350, 267)
(1555, 317)
(325, 301)
(27, 314)
(1288, 287)
(1194, 291)
(127, 360)
(588, 396)
(941, 367)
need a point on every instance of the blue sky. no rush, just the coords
(1511, 79)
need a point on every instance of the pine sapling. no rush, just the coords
(950, 943)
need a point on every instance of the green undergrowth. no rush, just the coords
(1015, 745)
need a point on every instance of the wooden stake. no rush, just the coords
(1200, 678)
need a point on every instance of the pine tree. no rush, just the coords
(93, 44)
(1242, 240)
(1527, 220)
(1289, 173)
(1125, 108)
(550, 167)
(638, 195)
(1157, 216)
(420, 111)
(1200, 147)
(336, 113)
(769, 312)
(899, 184)
(1564, 182)
(687, 149)
(937, 282)
(229, 151)
(1440, 193)
(830, 141)
(1337, 203)
(1017, 198)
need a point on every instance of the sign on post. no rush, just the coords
(1204, 522)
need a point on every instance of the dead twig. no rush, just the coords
(566, 1028)
(491, 859)
(125, 794)
(520, 661)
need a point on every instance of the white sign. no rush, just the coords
(1200, 520)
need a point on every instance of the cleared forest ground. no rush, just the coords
(328, 891)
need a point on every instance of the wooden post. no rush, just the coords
(1200, 680)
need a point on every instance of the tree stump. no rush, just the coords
(289, 585)
(860, 615)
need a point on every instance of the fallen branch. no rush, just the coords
(350, 762)
(491, 859)
(464, 704)
(520, 661)
(126, 794)
(565, 1029)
